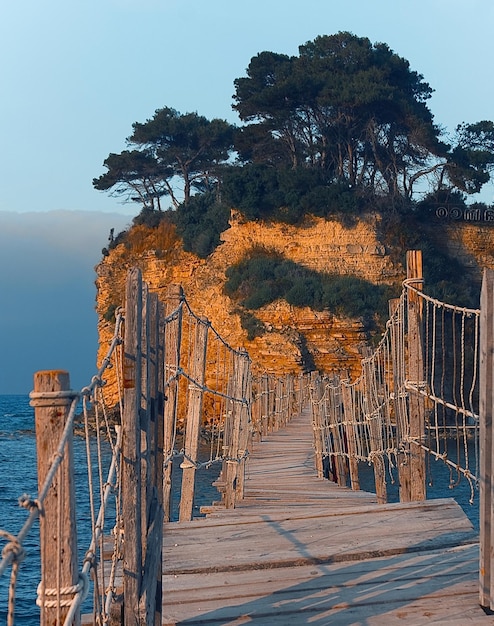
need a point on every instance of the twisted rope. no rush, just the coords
(43, 594)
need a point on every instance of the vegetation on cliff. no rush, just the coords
(339, 130)
(264, 276)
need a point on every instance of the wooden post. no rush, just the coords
(256, 413)
(416, 375)
(280, 395)
(131, 449)
(399, 401)
(245, 425)
(375, 430)
(273, 402)
(338, 434)
(265, 404)
(486, 401)
(237, 417)
(301, 382)
(151, 596)
(194, 414)
(58, 533)
(349, 420)
(172, 349)
(145, 417)
(317, 421)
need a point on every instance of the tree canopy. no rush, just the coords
(355, 110)
(346, 113)
(167, 147)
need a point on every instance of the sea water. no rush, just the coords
(18, 476)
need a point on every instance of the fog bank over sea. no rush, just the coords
(47, 293)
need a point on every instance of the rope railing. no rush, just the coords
(371, 419)
(235, 406)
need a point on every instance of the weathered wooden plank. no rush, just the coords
(387, 589)
(427, 564)
(294, 542)
(441, 508)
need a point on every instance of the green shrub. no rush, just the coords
(251, 324)
(286, 194)
(109, 315)
(200, 223)
(263, 277)
(152, 218)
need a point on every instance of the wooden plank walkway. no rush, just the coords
(302, 550)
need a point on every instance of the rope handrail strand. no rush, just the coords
(410, 386)
(89, 556)
(214, 392)
(199, 320)
(408, 285)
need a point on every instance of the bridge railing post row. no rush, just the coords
(51, 400)
(194, 415)
(486, 406)
(171, 361)
(416, 376)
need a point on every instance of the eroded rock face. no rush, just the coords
(294, 336)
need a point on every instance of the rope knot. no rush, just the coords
(26, 502)
(13, 550)
(44, 595)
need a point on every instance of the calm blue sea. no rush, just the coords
(18, 476)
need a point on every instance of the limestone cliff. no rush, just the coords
(323, 245)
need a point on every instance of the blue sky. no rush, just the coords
(75, 76)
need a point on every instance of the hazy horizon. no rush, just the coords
(48, 318)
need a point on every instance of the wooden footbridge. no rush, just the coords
(299, 549)
(282, 544)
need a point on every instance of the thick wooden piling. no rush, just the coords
(172, 350)
(131, 473)
(194, 404)
(486, 403)
(51, 400)
(416, 375)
